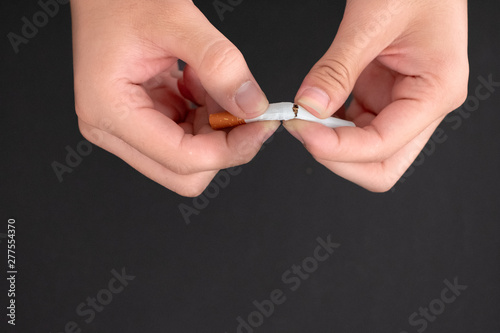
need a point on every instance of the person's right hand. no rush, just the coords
(127, 100)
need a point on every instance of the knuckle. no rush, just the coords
(191, 191)
(381, 180)
(81, 113)
(334, 73)
(385, 179)
(456, 81)
(220, 56)
(85, 131)
(378, 150)
(246, 152)
(192, 186)
(319, 152)
(461, 94)
(381, 186)
(374, 150)
(244, 159)
(183, 169)
(378, 155)
(91, 134)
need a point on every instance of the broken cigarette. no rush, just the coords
(277, 111)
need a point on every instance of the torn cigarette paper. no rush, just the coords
(277, 111)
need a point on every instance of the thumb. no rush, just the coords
(366, 29)
(219, 65)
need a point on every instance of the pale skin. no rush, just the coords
(131, 100)
(404, 78)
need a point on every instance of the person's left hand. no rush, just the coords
(405, 78)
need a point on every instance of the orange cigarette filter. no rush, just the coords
(224, 120)
(277, 111)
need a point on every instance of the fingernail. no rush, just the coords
(316, 99)
(251, 99)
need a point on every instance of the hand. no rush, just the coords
(406, 64)
(128, 102)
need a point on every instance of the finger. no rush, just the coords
(185, 92)
(219, 65)
(341, 113)
(381, 176)
(193, 85)
(373, 89)
(186, 185)
(169, 103)
(388, 132)
(161, 139)
(360, 39)
(159, 91)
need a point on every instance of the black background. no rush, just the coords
(396, 249)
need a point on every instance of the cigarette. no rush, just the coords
(223, 120)
(277, 111)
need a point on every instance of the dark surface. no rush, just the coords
(396, 249)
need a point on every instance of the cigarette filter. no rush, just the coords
(277, 111)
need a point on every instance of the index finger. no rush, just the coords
(164, 141)
(394, 127)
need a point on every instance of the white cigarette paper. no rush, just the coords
(285, 111)
(277, 111)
